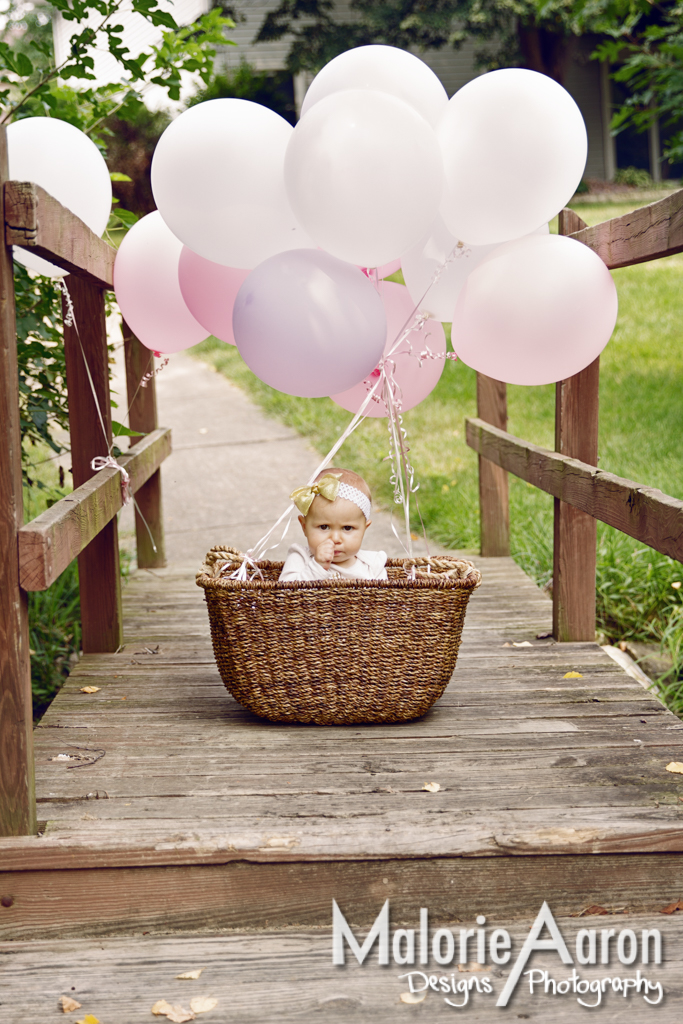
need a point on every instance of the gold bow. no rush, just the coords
(327, 487)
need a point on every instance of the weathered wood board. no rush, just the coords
(289, 978)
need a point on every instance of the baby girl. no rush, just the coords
(335, 513)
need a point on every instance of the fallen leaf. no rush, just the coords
(89, 689)
(572, 675)
(177, 1014)
(189, 975)
(506, 644)
(675, 766)
(161, 1008)
(543, 636)
(68, 1004)
(202, 1004)
(593, 909)
(672, 908)
(469, 967)
(413, 997)
(522, 643)
(89, 1019)
(432, 787)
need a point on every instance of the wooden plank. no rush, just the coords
(494, 505)
(569, 222)
(648, 233)
(121, 977)
(49, 543)
(90, 431)
(17, 788)
(37, 222)
(149, 524)
(644, 513)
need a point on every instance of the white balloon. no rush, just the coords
(436, 269)
(67, 164)
(514, 148)
(385, 69)
(535, 311)
(217, 179)
(364, 176)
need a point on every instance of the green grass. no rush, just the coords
(641, 426)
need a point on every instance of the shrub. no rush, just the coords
(634, 177)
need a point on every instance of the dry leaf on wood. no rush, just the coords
(522, 643)
(432, 787)
(471, 966)
(189, 975)
(179, 1015)
(90, 689)
(68, 1004)
(202, 1004)
(89, 1018)
(161, 1008)
(413, 997)
(675, 766)
(572, 675)
(593, 909)
(678, 905)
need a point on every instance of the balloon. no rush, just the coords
(308, 324)
(217, 178)
(421, 263)
(535, 311)
(147, 289)
(384, 69)
(67, 164)
(415, 381)
(209, 291)
(364, 176)
(514, 148)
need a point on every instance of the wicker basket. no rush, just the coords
(337, 651)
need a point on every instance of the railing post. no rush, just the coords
(143, 417)
(98, 564)
(575, 532)
(17, 786)
(494, 506)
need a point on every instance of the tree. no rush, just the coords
(535, 34)
(648, 55)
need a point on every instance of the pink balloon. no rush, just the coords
(307, 323)
(535, 311)
(209, 290)
(415, 381)
(147, 289)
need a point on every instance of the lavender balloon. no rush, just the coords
(309, 324)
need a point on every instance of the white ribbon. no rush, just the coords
(109, 462)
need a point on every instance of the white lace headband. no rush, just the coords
(357, 497)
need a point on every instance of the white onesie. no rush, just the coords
(301, 565)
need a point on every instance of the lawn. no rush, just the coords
(641, 423)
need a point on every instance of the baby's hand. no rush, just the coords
(324, 553)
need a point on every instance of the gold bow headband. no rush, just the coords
(327, 487)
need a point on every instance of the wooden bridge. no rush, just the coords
(156, 805)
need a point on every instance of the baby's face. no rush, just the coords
(341, 521)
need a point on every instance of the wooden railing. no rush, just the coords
(583, 493)
(83, 524)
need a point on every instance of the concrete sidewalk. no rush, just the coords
(232, 468)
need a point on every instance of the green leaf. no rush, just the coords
(118, 176)
(119, 430)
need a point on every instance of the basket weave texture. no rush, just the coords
(337, 651)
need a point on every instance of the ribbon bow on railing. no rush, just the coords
(109, 462)
(327, 487)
